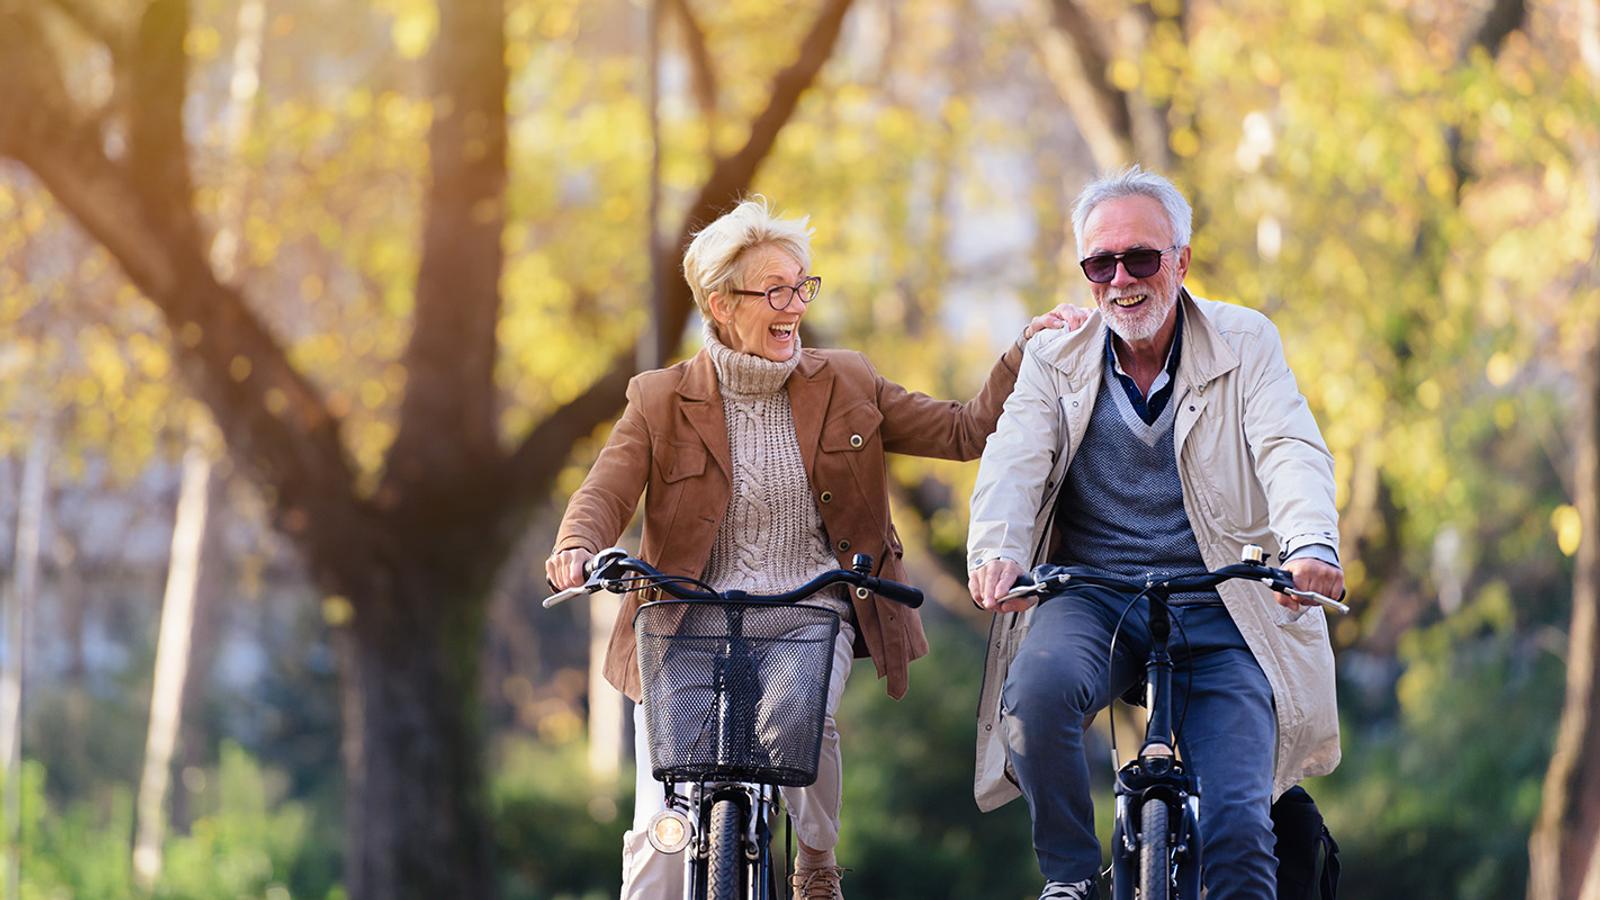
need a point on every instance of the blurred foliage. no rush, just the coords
(910, 827)
(1454, 779)
(248, 843)
(558, 829)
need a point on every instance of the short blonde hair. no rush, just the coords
(713, 261)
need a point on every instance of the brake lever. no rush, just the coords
(598, 563)
(1022, 590)
(1053, 583)
(1327, 603)
(568, 594)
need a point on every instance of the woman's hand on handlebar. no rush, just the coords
(1311, 574)
(565, 568)
(989, 582)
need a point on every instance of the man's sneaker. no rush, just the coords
(1078, 890)
(817, 884)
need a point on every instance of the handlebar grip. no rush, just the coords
(903, 594)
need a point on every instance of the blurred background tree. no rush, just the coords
(454, 233)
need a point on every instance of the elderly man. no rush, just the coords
(1163, 436)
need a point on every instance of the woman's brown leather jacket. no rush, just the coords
(671, 444)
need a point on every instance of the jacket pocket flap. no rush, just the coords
(852, 429)
(678, 460)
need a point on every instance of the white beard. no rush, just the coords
(1142, 322)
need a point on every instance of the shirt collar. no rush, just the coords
(1168, 371)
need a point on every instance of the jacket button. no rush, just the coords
(844, 545)
(862, 593)
(856, 441)
(827, 497)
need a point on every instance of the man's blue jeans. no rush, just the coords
(1227, 736)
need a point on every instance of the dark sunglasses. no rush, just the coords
(1141, 263)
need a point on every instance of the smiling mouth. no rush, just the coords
(1130, 301)
(782, 332)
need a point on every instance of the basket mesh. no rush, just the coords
(734, 691)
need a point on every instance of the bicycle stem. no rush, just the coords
(1158, 680)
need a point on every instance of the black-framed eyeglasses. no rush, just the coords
(779, 295)
(1141, 263)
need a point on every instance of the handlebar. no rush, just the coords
(1250, 569)
(614, 570)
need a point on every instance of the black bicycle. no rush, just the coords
(1155, 838)
(735, 692)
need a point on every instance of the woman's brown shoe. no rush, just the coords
(817, 884)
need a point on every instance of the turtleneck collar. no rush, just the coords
(745, 374)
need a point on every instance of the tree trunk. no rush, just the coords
(1564, 843)
(173, 644)
(192, 523)
(21, 600)
(415, 801)
(1564, 851)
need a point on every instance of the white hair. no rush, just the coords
(1135, 182)
(713, 261)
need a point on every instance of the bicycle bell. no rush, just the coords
(1254, 555)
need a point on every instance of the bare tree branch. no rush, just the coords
(702, 70)
(1152, 130)
(534, 464)
(1504, 17)
(158, 154)
(451, 356)
(275, 422)
(93, 21)
(1071, 51)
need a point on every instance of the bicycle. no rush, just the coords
(1155, 846)
(735, 691)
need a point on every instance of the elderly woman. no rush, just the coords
(762, 465)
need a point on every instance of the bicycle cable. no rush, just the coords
(1111, 663)
(1188, 681)
(638, 582)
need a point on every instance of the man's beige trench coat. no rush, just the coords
(1254, 469)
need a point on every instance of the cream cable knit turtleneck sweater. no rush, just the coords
(771, 538)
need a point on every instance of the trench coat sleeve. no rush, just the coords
(601, 509)
(1016, 465)
(918, 425)
(1292, 461)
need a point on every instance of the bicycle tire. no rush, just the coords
(1155, 869)
(724, 863)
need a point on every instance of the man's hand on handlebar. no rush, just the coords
(1311, 575)
(990, 582)
(564, 569)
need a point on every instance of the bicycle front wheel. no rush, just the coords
(1155, 872)
(724, 863)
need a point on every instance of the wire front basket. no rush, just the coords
(735, 691)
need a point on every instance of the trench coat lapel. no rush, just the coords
(701, 405)
(810, 386)
(1206, 357)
